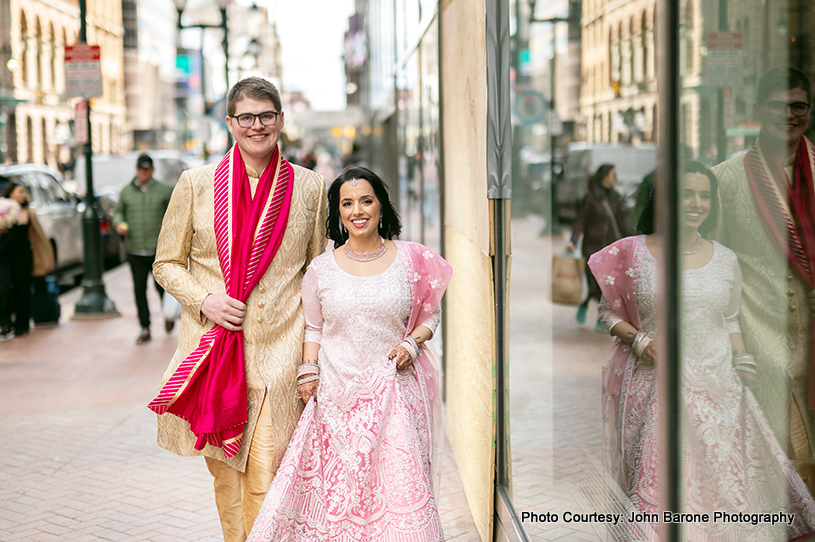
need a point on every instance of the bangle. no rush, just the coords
(636, 343)
(746, 368)
(308, 379)
(308, 368)
(409, 349)
(646, 340)
(743, 356)
(413, 343)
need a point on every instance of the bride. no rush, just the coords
(730, 459)
(360, 465)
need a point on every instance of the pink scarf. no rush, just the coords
(209, 387)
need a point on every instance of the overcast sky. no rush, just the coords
(311, 35)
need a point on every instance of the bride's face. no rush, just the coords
(359, 209)
(695, 199)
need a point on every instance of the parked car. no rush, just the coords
(582, 159)
(114, 247)
(57, 211)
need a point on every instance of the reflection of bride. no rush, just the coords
(730, 459)
(359, 467)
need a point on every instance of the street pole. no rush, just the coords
(721, 137)
(94, 302)
(226, 66)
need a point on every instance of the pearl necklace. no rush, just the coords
(695, 247)
(365, 256)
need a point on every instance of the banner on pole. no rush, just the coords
(81, 123)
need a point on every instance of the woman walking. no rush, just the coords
(601, 221)
(361, 464)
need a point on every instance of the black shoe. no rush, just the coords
(169, 325)
(144, 336)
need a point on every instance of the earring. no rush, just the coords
(343, 231)
(380, 222)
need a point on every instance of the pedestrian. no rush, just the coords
(368, 380)
(235, 243)
(16, 267)
(138, 215)
(601, 221)
(731, 461)
(767, 205)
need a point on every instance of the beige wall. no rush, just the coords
(470, 322)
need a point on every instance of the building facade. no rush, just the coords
(39, 125)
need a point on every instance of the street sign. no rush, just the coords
(81, 123)
(530, 106)
(83, 71)
(724, 59)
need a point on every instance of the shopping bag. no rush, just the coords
(171, 307)
(568, 270)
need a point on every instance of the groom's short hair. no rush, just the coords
(255, 88)
(782, 78)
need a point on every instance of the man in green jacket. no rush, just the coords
(139, 212)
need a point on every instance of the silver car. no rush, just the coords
(55, 208)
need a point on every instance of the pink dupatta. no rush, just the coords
(428, 276)
(616, 268)
(208, 389)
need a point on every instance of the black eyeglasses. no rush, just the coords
(247, 120)
(798, 109)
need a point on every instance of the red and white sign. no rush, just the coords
(81, 123)
(83, 71)
(724, 59)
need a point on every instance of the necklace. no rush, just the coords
(695, 247)
(365, 256)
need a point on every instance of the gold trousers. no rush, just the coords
(239, 495)
(800, 452)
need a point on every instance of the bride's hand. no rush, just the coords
(649, 355)
(401, 357)
(308, 390)
(748, 379)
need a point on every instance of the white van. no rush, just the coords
(582, 160)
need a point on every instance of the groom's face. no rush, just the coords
(786, 127)
(256, 140)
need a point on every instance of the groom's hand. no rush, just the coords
(224, 311)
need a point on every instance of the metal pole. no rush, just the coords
(94, 302)
(226, 66)
(552, 136)
(721, 137)
(205, 120)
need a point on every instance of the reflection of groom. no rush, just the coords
(767, 208)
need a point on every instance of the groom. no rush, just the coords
(767, 205)
(234, 245)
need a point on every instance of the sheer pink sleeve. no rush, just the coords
(732, 315)
(312, 309)
(607, 315)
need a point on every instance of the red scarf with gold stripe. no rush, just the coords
(787, 212)
(209, 387)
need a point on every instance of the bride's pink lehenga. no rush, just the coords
(731, 461)
(360, 464)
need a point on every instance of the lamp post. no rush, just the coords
(222, 5)
(94, 302)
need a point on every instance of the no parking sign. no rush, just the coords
(530, 106)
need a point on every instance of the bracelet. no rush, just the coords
(307, 368)
(643, 345)
(636, 343)
(311, 378)
(746, 368)
(409, 349)
(743, 356)
(413, 343)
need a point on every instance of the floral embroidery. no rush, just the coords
(614, 251)
(427, 307)
(415, 277)
(427, 254)
(629, 272)
(618, 303)
(609, 280)
(436, 284)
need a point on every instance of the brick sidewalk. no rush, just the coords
(79, 461)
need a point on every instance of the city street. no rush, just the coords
(80, 460)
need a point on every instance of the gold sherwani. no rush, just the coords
(273, 327)
(775, 315)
